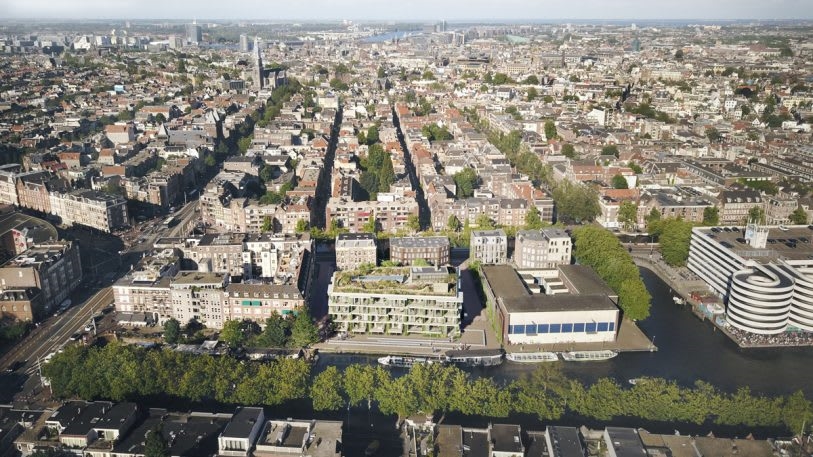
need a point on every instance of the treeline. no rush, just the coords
(118, 372)
(601, 250)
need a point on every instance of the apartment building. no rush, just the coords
(53, 268)
(433, 249)
(258, 302)
(418, 300)
(489, 246)
(90, 208)
(734, 205)
(542, 249)
(146, 289)
(354, 249)
(8, 183)
(390, 215)
(198, 296)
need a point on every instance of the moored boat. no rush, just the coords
(532, 357)
(475, 358)
(402, 362)
(587, 356)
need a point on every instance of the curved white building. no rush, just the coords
(765, 276)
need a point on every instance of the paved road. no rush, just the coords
(49, 337)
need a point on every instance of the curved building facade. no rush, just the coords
(767, 284)
(759, 300)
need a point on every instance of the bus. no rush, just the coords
(170, 221)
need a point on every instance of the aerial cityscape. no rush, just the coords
(446, 229)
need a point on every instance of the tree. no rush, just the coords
(619, 182)
(155, 445)
(550, 130)
(533, 221)
(576, 202)
(172, 330)
(210, 160)
(360, 383)
(756, 214)
(371, 226)
(372, 135)
(568, 151)
(243, 144)
(531, 80)
(452, 224)
(711, 215)
(326, 390)
(465, 180)
(232, 333)
(798, 216)
(713, 135)
(484, 222)
(679, 54)
(628, 215)
(268, 224)
(532, 94)
(674, 240)
(304, 331)
(413, 223)
(301, 226)
(653, 216)
(386, 175)
(609, 150)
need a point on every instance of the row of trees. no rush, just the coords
(378, 173)
(120, 372)
(279, 332)
(602, 251)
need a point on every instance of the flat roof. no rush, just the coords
(477, 443)
(506, 438)
(559, 303)
(786, 244)
(585, 280)
(565, 442)
(242, 422)
(505, 282)
(419, 242)
(450, 440)
(196, 277)
(625, 441)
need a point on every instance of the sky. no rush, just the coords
(404, 10)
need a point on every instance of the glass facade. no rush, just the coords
(572, 327)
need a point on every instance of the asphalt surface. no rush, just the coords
(50, 336)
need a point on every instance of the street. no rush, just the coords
(52, 334)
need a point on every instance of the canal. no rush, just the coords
(688, 350)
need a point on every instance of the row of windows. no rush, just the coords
(581, 327)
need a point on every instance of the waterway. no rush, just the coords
(688, 350)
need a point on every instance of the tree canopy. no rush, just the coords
(466, 180)
(575, 202)
(601, 250)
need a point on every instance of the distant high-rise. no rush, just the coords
(258, 64)
(193, 33)
(175, 42)
(244, 47)
(635, 45)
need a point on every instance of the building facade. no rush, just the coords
(355, 249)
(489, 246)
(542, 249)
(425, 301)
(433, 249)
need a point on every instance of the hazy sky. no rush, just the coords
(409, 9)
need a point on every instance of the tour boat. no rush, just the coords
(475, 358)
(402, 362)
(532, 357)
(586, 356)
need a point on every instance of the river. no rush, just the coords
(688, 350)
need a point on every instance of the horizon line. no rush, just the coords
(396, 21)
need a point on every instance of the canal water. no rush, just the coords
(688, 350)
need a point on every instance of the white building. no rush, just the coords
(489, 246)
(765, 275)
(539, 249)
(240, 434)
(577, 306)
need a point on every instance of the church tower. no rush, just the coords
(259, 75)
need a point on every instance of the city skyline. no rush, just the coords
(479, 10)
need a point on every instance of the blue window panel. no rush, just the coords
(510, 329)
(603, 326)
(555, 328)
(578, 328)
(590, 327)
(530, 329)
(541, 328)
(612, 326)
(567, 328)
(519, 329)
